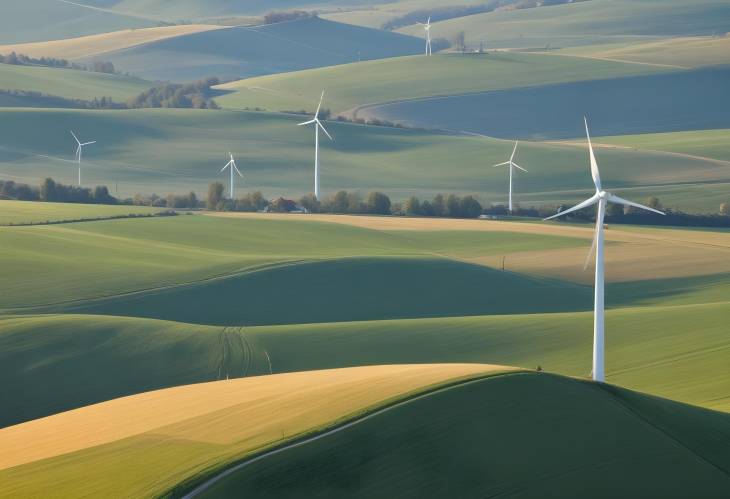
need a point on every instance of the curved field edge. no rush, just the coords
(197, 437)
(190, 488)
(424, 448)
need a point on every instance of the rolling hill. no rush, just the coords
(587, 23)
(164, 151)
(408, 420)
(244, 51)
(691, 100)
(406, 78)
(93, 45)
(70, 83)
(473, 440)
(148, 444)
(41, 20)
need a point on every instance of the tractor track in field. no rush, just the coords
(236, 357)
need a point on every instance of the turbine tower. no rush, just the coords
(512, 166)
(232, 165)
(78, 152)
(317, 126)
(601, 198)
(427, 28)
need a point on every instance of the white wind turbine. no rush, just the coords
(232, 165)
(512, 166)
(427, 28)
(601, 198)
(317, 126)
(78, 152)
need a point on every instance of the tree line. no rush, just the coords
(53, 62)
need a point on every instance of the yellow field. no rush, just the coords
(94, 45)
(645, 253)
(684, 52)
(237, 416)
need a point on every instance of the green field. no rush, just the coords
(474, 440)
(707, 143)
(413, 77)
(27, 212)
(244, 51)
(70, 83)
(164, 151)
(587, 23)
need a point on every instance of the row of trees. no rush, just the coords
(51, 191)
(292, 15)
(195, 95)
(25, 60)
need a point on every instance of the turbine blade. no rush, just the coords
(585, 204)
(594, 164)
(237, 170)
(321, 98)
(518, 166)
(615, 199)
(307, 123)
(502, 164)
(593, 248)
(227, 165)
(75, 137)
(324, 130)
(88, 143)
(514, 150)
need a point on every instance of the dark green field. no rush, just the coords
(579, 439)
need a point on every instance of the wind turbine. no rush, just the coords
(427, 27)
(317, 126)
(232, 165)
(512, 166)
(601, 198)
(78, 151)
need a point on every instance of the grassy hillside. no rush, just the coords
(682, 51)
(163, 151)
(350, 86)
(52, 364)
(707, 143)
(93, 45)
(655, 350)
(147, 444)
(24, 212)
(582, 23)
(675, 101)
(241, 51)
(40, 20)
(70, 83)
(474, 440)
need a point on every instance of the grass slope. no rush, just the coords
(167, 151)
(474, 440)
(415, 77)
(689, 100)
(69, 264)
(582, 23)
(70, 83)
(25, 212)
(240, 51)
(682, 51)
(53, 364)
(708, 143)
(40, 20)
(97, 45)
(147, 444)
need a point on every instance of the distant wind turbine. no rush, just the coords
(232, 165)
(427, 28)
(601, 198)
(512, 166)
(79, 150)
(317, 126)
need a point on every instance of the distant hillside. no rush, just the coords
(240, 52)
(594, 21)
(70, 83)
(39, 20)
